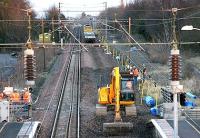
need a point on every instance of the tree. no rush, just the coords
(13, 27)
(52, 14)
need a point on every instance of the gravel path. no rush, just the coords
(44, 110)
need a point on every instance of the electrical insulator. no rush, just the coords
(175, 65)
(29, 66)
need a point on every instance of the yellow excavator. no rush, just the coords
(120, 95)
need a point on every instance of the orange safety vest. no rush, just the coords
(15, 97)
(135, 72)
(26, 97)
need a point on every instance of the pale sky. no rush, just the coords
(74, 5)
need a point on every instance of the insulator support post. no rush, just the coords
(29, 67)
(175, 65)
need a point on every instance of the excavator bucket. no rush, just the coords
(117, 127)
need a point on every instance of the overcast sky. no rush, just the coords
(74, 5)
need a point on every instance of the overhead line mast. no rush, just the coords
(175, 72)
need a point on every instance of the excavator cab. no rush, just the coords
(127, 91)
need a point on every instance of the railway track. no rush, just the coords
(66, 122)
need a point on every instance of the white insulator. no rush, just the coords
(174, 83)
(175, 52)
(29, 52)
(30, 82)
(177, 88)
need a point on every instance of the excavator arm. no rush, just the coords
(116, 81)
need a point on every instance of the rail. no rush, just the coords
(60, 98)
(68, 105)
(192, 122)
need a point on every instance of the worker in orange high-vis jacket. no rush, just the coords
(135, 75)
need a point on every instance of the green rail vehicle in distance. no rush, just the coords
(47, 38)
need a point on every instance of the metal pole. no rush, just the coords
(29, 27)
(129, 25)
(61, 42)
(53, 30)
(53, 37)
(42, 32)
(129, 31)
(106, 20)
(29, 42)
(59, 22)
(175, 116)
(44, 67)
(174, 42)
(115, 21)
(175, 47)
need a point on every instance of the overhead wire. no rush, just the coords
(82, 10)
(130, 36)
(191, 7)
(122, 20)
(140, 52)
(37, 20)
(148, 25)
(192, 14)
(187, 18)
(75, 38)
(165, 10)
(91, 4)
(153, 66)
(83, 7)
(13, 24)
(49, 45)
(110, 26)
(164, 78)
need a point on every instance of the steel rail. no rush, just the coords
(74, 93)
(74, 99)
(60, 98)
(78, 95)
(192, 122)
